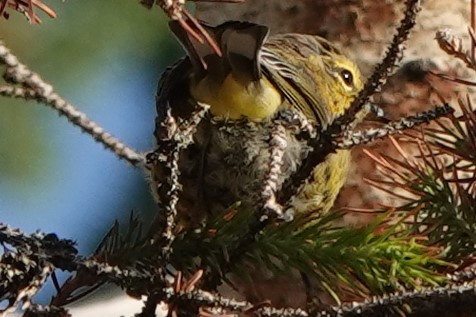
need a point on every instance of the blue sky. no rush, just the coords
(105, 59)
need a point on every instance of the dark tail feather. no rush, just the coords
(240, 43)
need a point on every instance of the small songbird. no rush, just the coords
(252, 81)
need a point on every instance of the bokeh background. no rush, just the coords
(105, 57)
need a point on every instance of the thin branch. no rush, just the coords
(286, 122)
(472, 28)
(173, 138)
(352, 139)
(453, 45)
(27, 8)
(460, 285)
(175, 10)
(422, 302)
(35, 88)
(277, 147)
(323, 145)
(393, 56)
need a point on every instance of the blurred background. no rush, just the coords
(105, 58)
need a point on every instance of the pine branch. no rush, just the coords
(188, 294)
(323, 145)
(316, 247)
(438, 184)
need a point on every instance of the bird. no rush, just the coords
(253, 84)
(253, 80)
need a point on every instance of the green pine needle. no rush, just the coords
(368, 260)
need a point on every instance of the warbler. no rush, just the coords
(254, 79)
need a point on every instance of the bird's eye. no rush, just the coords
(347, 77)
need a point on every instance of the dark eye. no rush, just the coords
(347, 77)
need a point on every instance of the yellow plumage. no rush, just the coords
(228, 162)
(234, 100)
(254, 80)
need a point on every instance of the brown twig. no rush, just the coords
(453, 46)
(175, 10)
(27, 8)
(472, 28)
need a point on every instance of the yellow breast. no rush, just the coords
(234, 100)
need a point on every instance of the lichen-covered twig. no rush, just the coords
(25, 268)
(172, 139)
(143, 280)
(427, 301)
(286, 122)
(352, 139)
(277, 146)
(28, 85)
(392, 57)
(323, 145)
